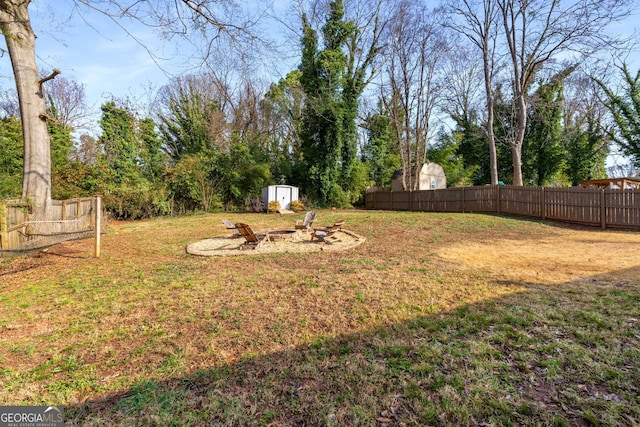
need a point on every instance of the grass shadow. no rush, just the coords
(565, 354)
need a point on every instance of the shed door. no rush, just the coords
(283, 195)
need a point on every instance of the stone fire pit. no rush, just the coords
(283, 235)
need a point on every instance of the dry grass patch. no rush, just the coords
(567, 256)
(434, 320)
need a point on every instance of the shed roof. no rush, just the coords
(414, 169)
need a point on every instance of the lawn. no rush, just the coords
(436, 319)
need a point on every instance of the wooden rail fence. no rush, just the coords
(606, 208)
(21, 230)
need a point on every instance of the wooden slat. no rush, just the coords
(4, 227)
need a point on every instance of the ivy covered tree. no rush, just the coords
(333, 78)
(625, 109)
(119, 142)
(61, 141)
(61, 147)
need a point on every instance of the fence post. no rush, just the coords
(98, 213)
(603, 210)
(543, 203)
(497, 198)
(4, 227)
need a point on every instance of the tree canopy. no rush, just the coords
(375, 88)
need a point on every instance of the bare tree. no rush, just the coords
(463, 94)
(415, 46)
(86, 151)
(539, 32)
(214, 20)
(9, 105)
(69, 100)
(477, 20)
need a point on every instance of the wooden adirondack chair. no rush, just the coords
(327, 234)
(231, 227)
(307, 222)
(252, 240)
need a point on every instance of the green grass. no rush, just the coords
(389, 333)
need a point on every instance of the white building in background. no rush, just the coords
(430, 176)
(284, 194)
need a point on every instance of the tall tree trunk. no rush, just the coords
(20, 39)
(488, 86)
(521, 129)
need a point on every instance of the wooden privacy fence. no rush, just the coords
(589, 206)
(22, 230)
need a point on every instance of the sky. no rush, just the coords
(99, 56)
(92, 50)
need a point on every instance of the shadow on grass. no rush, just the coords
(551, 355)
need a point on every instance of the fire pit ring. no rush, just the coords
(283, 235)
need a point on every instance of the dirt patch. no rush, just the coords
(232, 246)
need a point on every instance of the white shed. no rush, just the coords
(284, 194)
(430, 176)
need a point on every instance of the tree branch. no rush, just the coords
(51, 76)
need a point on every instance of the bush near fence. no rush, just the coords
(606, 208)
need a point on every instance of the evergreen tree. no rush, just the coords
(625, 109)
(380, 152)
(120, 146)
(61, 141)
(10, 157)
(543, 153)
(153, 157)
(505, 130)
(445, 152)
(62, 170)
(472, 147)
(586, 150)
(281, 112)
(127, 191)
(193, 122)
